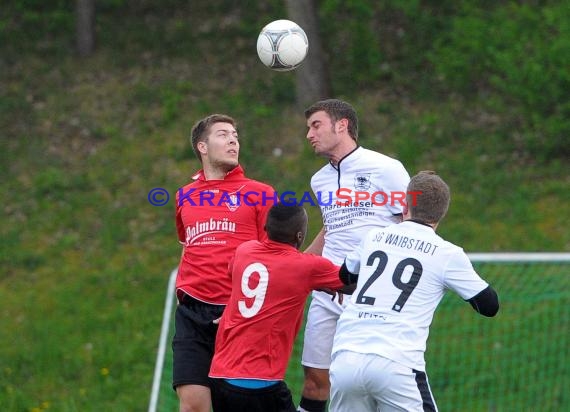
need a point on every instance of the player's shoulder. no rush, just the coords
(258, 185)
(373, 234)
(323, 176)
(191, 184)
(450, 247)
(187, 189)
(248, 246)
(310, 260)
(326, 169)
(377, 158)
(454, 250)
(454, 255)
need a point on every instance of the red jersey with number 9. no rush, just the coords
(213, 217)
(270, 285)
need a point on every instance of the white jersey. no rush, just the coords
(404, 271)
(366, 189)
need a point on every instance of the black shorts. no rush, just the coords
(193, 342)
(230, 398)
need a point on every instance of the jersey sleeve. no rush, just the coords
(461, 277)
(324, 273)
(179, 222)
(396, 180)
(352, 260)
(230, 268)
(263, 207)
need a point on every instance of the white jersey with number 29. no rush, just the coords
(404, 270)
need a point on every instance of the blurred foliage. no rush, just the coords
(521, 53)
(513, 56)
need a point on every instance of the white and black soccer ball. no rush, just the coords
(282, 45)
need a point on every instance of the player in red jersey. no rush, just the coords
(271, 281)
(215, 213)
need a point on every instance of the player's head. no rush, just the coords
(428, 198)
(337, 110)
(215, 141)
(287, 224)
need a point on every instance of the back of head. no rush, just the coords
(337, 109)
(202, 127)
(287, 224)
(431, 200)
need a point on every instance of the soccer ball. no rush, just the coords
(282, 45)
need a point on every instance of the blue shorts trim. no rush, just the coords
(250, 383)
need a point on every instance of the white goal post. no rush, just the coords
(519, 257)
(162, 342)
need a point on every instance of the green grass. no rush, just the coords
(85, 258)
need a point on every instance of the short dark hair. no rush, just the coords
(431, 200)
(284, 222)
(337, 109)
(202, 127)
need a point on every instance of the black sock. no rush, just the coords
(311, 405)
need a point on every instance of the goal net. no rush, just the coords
(517, 361)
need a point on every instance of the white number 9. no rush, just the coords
(258, 293)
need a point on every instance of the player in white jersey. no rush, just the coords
(403, 271)
(356, 190)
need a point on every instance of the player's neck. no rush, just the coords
(421, 222)
(212, 172)
(342, 150)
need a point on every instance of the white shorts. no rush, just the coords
(367, 382)
(319, 330)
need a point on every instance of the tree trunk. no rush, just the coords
(85, 27)
(312, 81)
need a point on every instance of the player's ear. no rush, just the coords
(299, 239)
(342, 125)
(405, 211)
(202, 147)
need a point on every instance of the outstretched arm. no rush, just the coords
(318, 243)
(486, 302)
(348, 278)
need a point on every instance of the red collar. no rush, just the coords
(236, 172)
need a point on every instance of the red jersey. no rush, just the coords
(270, 285)
(213, 217)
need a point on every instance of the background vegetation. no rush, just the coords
(475, 90)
